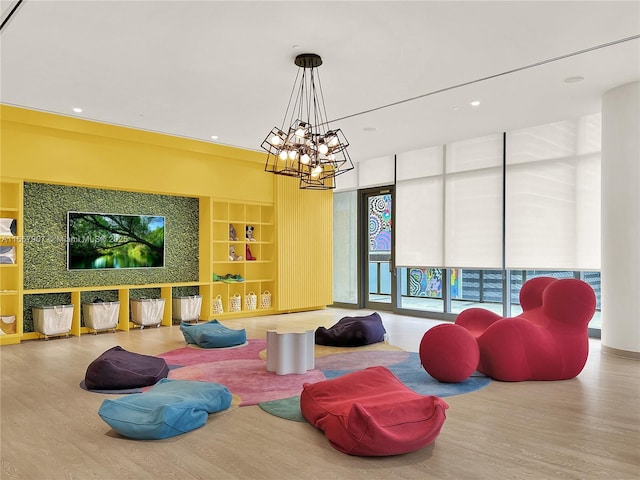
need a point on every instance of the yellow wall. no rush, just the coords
(42, 147)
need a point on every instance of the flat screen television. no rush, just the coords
(114, 241)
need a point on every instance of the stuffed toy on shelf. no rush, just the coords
(249, 233)
(232, 254)
(232, 233)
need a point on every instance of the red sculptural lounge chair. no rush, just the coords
(548, 341)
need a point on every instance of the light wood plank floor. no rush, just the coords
(585, 428)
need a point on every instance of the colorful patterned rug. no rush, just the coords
(243, 371)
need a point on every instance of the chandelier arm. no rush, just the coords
(323, 120)
(293, 89)
(302, 98)
(316, 107)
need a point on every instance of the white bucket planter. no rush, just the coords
(101, 315)
(186, 309)
(147, 311)
(52, 320)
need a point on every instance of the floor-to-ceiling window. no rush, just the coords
(474, 219)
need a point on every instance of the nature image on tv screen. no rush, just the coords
(101, 240)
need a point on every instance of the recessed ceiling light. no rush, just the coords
(455, 108)
(475, 103)
(214, 137)
(369, 129)
(77, 109)
(575, 79)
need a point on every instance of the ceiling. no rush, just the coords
(397, 75)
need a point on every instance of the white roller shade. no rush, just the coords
(473, 203)
(376, 172)
(426, 162)
(347, 181)
(419, 222)
(553, 196)
(419, 208)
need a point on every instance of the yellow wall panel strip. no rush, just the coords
(305, 231)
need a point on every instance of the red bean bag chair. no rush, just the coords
(352, 332)
(549, 340)
(372, 413)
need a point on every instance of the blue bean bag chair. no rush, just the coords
(119, 369)
(169, 408)
(352, 332)
(372, 413)
(212, 335)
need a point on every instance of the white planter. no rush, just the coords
(52, 320)
(147, 311)
(101, 315)
(186, 309)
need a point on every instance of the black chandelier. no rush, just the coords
(306, 147)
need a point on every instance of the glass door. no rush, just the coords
(378, 272)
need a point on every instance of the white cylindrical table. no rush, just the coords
(290, 352)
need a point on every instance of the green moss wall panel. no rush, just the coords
(45, 235)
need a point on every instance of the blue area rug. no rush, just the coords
(405, 365)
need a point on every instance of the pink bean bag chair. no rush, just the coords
(372, 413)
(548, 341)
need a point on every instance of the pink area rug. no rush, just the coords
(243, 370)
(248, 379)
(193, 355)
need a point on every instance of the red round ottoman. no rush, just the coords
(449, 353)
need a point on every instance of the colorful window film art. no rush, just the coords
(427, 282)
(380, 223)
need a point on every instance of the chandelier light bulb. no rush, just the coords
(301, 131)
(283, 155)
(323, 149)
(305, 159)
(334, 141)
(275, 140)
(293, 154)
(316, 171)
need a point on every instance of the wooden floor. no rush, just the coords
(585, 428)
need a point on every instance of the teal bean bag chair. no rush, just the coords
(212, 335)
(169, 408)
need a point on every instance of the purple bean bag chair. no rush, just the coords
(352, 332)
(119, 369)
